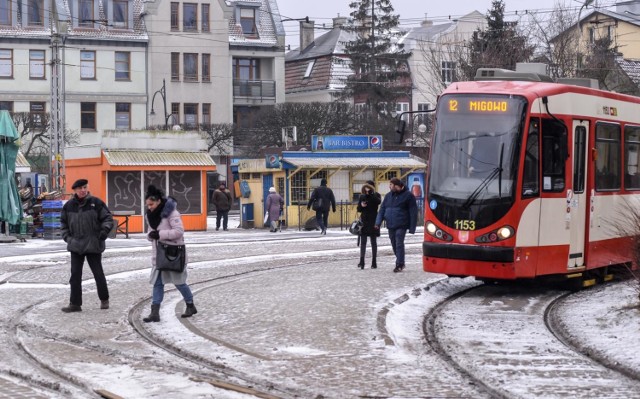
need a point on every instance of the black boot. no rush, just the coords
(361, 264)
(373, 263)
(190, 310)
(154, 315)
(70, 308)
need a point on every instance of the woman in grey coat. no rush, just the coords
(273, 207)
(165, 225)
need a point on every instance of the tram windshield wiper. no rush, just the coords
(497, 171)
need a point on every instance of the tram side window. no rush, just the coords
(608, 163)
(579, 147)
(530, 181)
(554, 155)
(631, 157)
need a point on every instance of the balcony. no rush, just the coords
(254, 92)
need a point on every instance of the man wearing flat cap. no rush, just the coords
(85, 223)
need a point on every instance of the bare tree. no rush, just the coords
(219, 137)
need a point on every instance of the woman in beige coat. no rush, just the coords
(165, 225)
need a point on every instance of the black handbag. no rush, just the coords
(317, 204)
(170, 257)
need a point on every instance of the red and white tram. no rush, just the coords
(531, 178)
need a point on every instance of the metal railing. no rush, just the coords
(254, 88)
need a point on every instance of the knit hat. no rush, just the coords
(272, 189)
(396, 182)
(79, 183)
(323, 182)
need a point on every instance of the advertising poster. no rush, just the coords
(346, 143)
(415, 183)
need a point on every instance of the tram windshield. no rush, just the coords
(474, 160)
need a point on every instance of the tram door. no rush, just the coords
(577, 198)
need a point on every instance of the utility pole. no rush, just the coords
(58, 27)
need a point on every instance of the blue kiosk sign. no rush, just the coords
(346, 143)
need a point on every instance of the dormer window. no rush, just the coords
(310, 65)
(5, 12)
(121, 14)
(248, 21)
(86, 16)
(36, 13)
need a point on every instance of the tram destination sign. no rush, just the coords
(475, 104)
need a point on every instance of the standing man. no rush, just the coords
(85, 223)
(222, 201)
(400, 210)
(322, 199)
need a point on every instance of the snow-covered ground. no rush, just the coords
(289, 310)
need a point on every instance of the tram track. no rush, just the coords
(507, 339)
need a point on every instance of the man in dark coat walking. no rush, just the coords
(85, 223)
(400, 210)
(222, 200)
(322, 199)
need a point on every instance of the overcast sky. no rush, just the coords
(412, 12)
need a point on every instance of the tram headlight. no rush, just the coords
(431, 228)
(505, 232)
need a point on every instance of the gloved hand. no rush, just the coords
(103, 235)
(154, 235)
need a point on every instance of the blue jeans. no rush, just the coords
(397, 243)
(158, 291)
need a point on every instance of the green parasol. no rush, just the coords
(10, 204)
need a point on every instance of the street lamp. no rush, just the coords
(163, 94)
(401, 124)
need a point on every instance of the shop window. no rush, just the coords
(608, 156)
(299, 188)
(245, 176)
(186, 188)
(631, 157)
(123, 190)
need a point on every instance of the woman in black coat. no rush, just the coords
(368, 207)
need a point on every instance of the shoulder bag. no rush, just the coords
(317, 204)
(170, 257)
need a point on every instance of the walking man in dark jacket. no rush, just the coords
(222, 200)
(322, 199)
(400, 210)
(85, 223)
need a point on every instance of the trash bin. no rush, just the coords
(247, 216)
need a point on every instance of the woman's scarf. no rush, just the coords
(155, 217)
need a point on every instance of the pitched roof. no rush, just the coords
(631, 68)
(155, 158)
(269, 27)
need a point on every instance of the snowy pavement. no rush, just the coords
(286, 314)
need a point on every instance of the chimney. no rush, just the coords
(306, 34)
(339, 22)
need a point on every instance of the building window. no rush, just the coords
(448, 72)
(123, 65)
(175, 66)
(423, 118)
(88, 116)
(205, 18)
(86, 17)
(6, 106)
(37, 111)
(36, 13)
(6, 63)
(123, 116)
(87, 64)
(190, 115)
(175, 16)
(246, 68)
(36, 64)
(5, 12)
(206, 67)
(310, 65)
(175, 113)
(121, 14)
(190, 67)
(403, 107)
(592, 35)
(206, 114)
(248, 21)
(190, 17)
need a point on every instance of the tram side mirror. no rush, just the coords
(400, 128)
